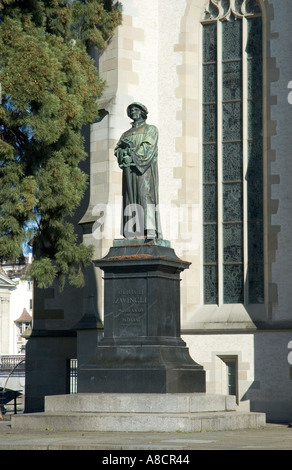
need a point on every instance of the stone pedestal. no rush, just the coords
(89, 332)
(142, 350)
(152, 412)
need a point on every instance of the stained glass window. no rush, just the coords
(231, 40)
(232, 152)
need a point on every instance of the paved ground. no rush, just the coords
(271, 437)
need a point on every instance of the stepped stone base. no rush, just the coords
(138, 413)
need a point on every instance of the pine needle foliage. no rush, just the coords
(49, 88)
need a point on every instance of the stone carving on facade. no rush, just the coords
(231, 9)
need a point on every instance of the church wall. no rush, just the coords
(263, 369)
(280, 166)
(155, 58)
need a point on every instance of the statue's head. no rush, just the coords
(140, 106)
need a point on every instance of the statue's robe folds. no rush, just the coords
(140, 182)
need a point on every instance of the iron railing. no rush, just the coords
(73, 375)
(9, 362)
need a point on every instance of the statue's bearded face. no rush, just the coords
(136, 113)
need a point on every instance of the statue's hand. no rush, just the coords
(127, 160)
(124, 156)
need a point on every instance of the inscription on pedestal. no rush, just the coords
(129, 307)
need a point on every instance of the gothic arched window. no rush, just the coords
(232, 153)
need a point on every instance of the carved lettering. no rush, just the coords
(130, 291)
(130, 318)
(130, 296)
(129, 304)
(130, 300)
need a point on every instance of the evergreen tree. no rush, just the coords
(49, 87)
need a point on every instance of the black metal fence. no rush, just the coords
(7, 363)
(11, 400)
(15, 364)
(73, 375)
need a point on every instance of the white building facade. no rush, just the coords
(15, 309)
(216, 77)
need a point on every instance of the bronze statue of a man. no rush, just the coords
(137, 154)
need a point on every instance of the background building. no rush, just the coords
(215, 76)
(15, 306)
(15, 326)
